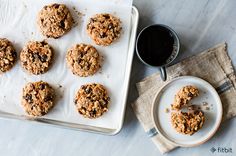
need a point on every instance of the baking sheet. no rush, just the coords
(18, 24)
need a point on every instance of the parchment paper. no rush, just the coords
(18, 24)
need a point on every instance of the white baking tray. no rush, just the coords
(122, 102)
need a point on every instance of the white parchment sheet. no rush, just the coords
(18, 24)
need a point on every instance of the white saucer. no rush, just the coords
(164, 98)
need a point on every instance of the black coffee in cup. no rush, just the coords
(156, 45)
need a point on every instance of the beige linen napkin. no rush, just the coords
(212, 65)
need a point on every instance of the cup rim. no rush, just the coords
(166, 27)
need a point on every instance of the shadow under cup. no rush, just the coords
(157, 45)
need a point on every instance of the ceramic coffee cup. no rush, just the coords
(157, 46)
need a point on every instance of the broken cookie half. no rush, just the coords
(187, 122)
(183, 96)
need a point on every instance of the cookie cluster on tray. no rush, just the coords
(104, 29)
(36, 58)
(38, 98)
(83, 60)
(55, 20)
(8, 55)
(92, 100)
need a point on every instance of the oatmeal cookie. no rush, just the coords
(92, 100)
(184, 96)
(104, 29)
(8, 55)
(187, 122)
(36, 57)
(37, 99)
(83, 60)
(55, 20)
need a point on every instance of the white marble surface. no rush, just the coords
(200, 25)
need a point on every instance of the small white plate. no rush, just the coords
(164, 98)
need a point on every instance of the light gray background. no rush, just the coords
(200, 25)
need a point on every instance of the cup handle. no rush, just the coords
(163, 73)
